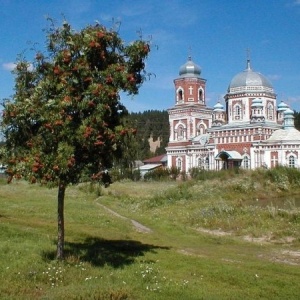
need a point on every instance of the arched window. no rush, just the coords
(199, 162)
(270, 112)
(201, 128)
(200, 96)
(179, 163)
(180, 95)
(292, 161)
(246, 162)
(180, 132)
(207, 163)
(237, 112)
(203, 163)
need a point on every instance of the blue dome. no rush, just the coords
(257, 102)
(189, 69)
(288, 112)
(282, 106)
(218, 107)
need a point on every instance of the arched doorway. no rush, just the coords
(228, 160)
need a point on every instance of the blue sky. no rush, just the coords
(215, 32)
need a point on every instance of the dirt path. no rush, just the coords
(138, 226)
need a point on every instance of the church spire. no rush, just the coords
(248, 59)
(190, 54)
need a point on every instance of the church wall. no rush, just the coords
(239, 147)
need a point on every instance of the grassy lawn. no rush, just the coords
(224, 238)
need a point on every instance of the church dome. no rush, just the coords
(218, 107)
(190, 69)
(282, 106)
(257, 102)
(288, 112)
(249, 78)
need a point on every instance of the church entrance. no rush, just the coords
(228, 160)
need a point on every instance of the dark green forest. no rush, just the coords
(297, 120)
(151, 123)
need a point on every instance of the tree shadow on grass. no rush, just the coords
(100, 252)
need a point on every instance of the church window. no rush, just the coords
(179, 95)
(201, 128)
(203, 162)
(199, 162)
(200, 96)
(179, 163)
(270, 112)
(237, 112)
(292, 161)
(246, 162)
(180, 132)
(207, 163)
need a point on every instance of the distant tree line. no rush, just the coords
(150, 123)
(297, 120)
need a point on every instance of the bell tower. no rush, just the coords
(190, 87)
(189, 118)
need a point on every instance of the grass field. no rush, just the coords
(230, 237)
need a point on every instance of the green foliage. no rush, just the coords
(172, 195)
(201, 174)
(119, 174)
(284, 177)
(174, 172)
(157, 174)
(151, 123)
(65, 116)
(297, 120)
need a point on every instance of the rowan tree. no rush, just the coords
(64, 119)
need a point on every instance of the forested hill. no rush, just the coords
(152, 132)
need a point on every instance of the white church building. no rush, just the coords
(250, 131)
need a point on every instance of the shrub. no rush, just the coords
(157, 174)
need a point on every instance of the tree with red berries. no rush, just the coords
(64, 120)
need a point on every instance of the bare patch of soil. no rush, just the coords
(217, 232)
(289, 257)
(138, 226)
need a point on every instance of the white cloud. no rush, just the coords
(274, 77)
(8, 66)
(297, 2)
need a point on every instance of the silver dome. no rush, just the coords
(190, 69)
(249, 78)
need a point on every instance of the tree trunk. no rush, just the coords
(60, 221)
